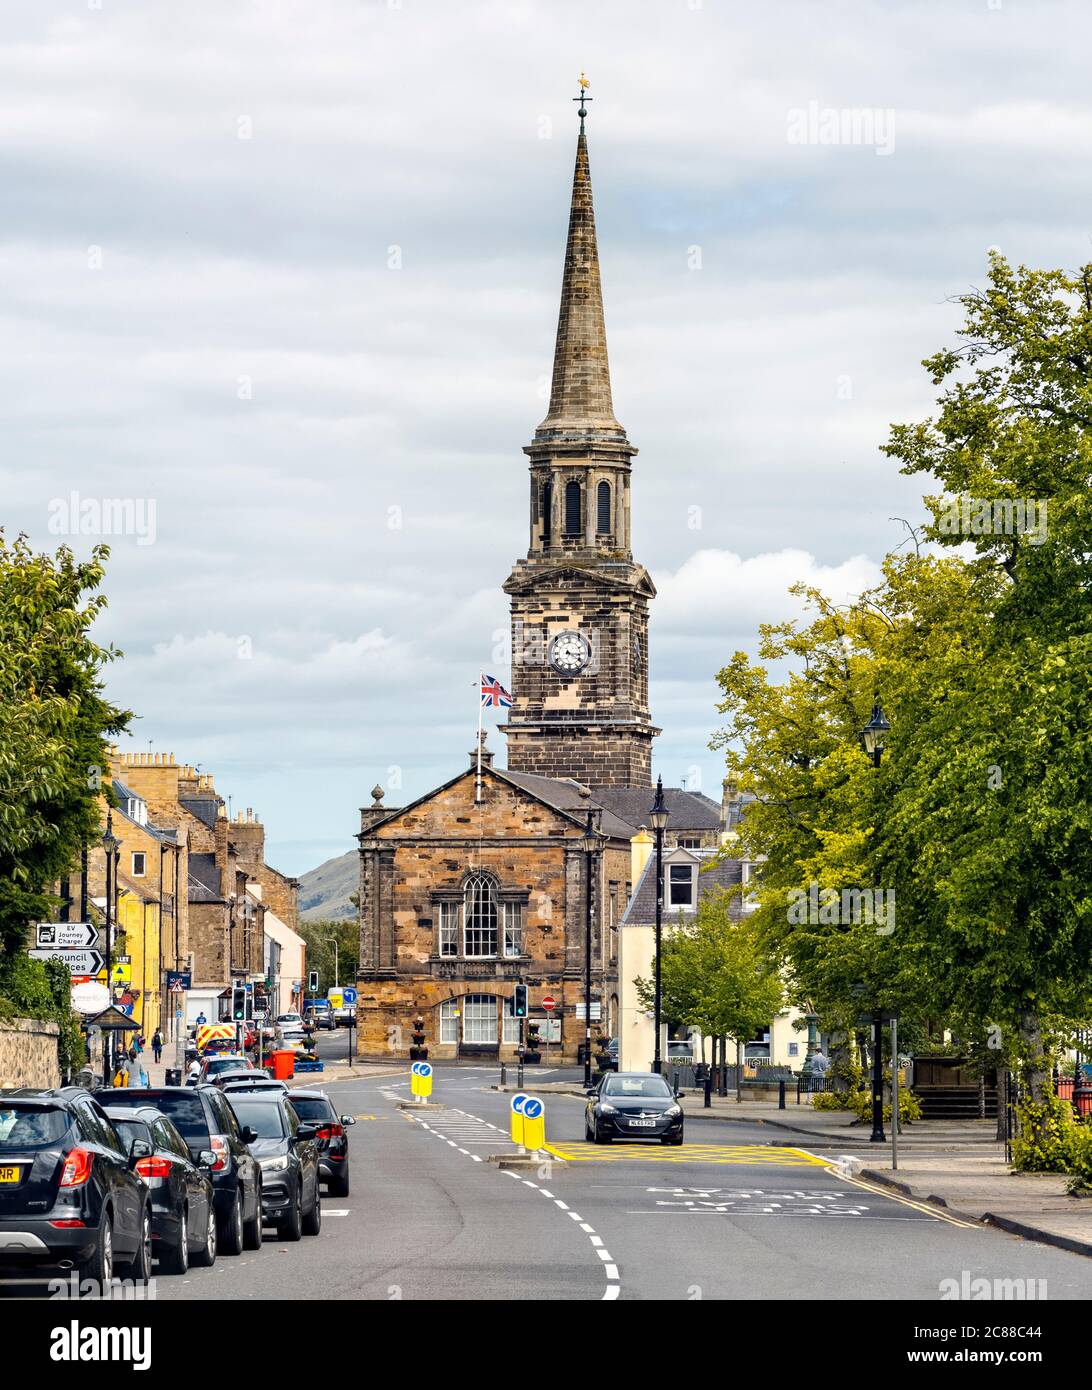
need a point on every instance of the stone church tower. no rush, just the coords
(579, 600)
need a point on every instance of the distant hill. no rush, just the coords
(324, 892)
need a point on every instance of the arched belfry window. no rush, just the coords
(547, 511)
(572, 509)
(602, 519)
(479, 917)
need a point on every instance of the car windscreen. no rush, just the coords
(640, 1087)
(184, 1108)
(30, 1126)
(219, 1064)
(264, 1117)
(318, 1108)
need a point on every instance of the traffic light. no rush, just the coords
(238, 1004)
(312, 982)
(519, 1002)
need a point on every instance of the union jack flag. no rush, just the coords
(494, 695)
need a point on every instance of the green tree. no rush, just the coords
(715, 975)
(319, 937)
(979, 815)
(54, 723)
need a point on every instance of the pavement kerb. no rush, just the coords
(988, 1218)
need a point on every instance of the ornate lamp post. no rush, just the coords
(873, 738)
(589, 843)
(658, 817)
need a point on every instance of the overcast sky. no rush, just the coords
(288, 269)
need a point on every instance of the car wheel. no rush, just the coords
(252, 1231)
(292, 1225)
(140, 1266)
(597, 1137)
(100, 1264)
(312, 1222)
(677, 1141)
(205, 1258)
(177, 1260)
(231, 1236)
(339, 1186)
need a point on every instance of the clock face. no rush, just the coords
(569, 653)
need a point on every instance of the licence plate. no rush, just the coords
(10, 1174)
(644, 1124)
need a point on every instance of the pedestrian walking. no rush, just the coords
(157, 1045)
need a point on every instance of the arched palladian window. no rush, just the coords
(602, 517)
(547, 511)
(479, 917)
(572, 509)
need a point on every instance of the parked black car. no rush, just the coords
(315, 1108)
(633, 1105)
(205, 1120)
(183, 1215)
(289, 1156)
(70, 1194)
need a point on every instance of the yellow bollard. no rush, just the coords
(534, 1124)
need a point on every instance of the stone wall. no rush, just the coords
(28, 1053)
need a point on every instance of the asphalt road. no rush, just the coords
(727, 1216)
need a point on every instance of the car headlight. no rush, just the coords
(673, 1110)
(273, 1165)
(607, 1109)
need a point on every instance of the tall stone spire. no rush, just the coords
(580, 398)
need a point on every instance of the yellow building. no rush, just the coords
(137, 936)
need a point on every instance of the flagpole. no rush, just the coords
(478, 796)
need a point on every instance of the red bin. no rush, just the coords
(283, 1063)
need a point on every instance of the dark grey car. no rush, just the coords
(288, 1156)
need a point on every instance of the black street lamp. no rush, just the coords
(111, 845)
(873, 738)
(589, 843)
(658, 820)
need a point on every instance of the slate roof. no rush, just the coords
(641, 909)
(566, 795)
(204, 885)
(688, 810)
(202, 808)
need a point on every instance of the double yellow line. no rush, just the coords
(878, 1190)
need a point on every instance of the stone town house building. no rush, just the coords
(484, 882)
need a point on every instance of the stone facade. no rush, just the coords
(417, 868)
(28, 1053)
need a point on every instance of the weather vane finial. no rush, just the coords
(582, 98)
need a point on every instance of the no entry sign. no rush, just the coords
(549, 1003)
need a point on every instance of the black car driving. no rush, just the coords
(315, 1108)
(70, 1193)
(206, 1122)
(633, 1105)
(289, 1158)
(183, 1215)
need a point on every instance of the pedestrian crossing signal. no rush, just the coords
(519, 1002)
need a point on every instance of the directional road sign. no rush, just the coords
(79, 962)
(67, 934)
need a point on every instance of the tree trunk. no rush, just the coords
(1002, 1104)
(739, 1071)
(1035, 1068)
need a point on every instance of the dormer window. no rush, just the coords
(680, 885)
